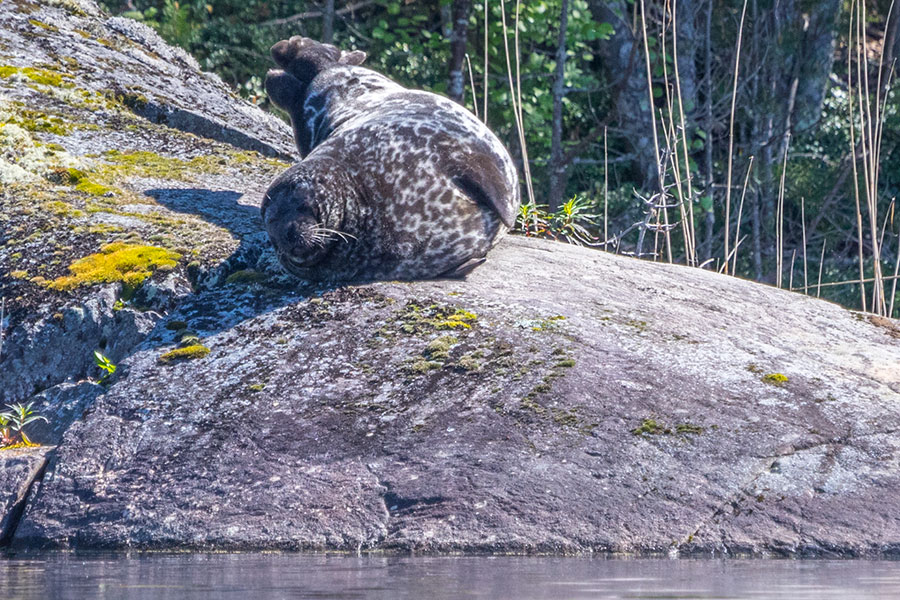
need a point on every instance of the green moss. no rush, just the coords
(36, 121)
(639, 325)
(439, 349)
(566, 418)
(130, 264)
(41, 76)
(459, 319)
(83, 184)
(418, 320)
(776, 379)
(541, 388)
(42, 25)
(150, 164)
(187, 338)
(19, 274)
(688, 428)
(186, 353)
(528, 403)
(421, 365)
(470, 362)
(546, 324)
(104, 229)
(256, 387)
(61, 209)
(246, 277)
(176, 325)
(654, 427)
(566, 363)
(651, 427)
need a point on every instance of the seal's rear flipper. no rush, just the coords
(285, 90)
(462, 270)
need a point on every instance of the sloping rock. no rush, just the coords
(108, 135)
(585, 403)
(19, 469)
(558, 400)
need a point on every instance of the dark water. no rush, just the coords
(274, 576)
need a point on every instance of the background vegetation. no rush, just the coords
(775, 117)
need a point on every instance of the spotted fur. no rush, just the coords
(394, 183)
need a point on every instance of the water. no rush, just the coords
(277, 576)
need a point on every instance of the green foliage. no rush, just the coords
(105, 365)
(574, 222)
(13, 422)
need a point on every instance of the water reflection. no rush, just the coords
(282, 576)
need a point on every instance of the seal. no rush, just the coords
(394, 183)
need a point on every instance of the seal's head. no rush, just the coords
(304, 213)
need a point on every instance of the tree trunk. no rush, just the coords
(819, 32)
(460, 11)
(558, 168)
(621, 60)
(328, 22)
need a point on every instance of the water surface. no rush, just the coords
(276, 576)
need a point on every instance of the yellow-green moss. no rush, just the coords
(32, 120)
(150, 164)
(128, 263)
(61, 209)
(246, 277)
(41, 76)
(421, 365)
(545, 324)
(186, 353)
(470, 362)
(439, 349)
(686, 428)
(415, 319)
(84, 184)
(459, 319)
(654, 427)
(775, 379)
(104, 228)
(651, 427)
(42, 25)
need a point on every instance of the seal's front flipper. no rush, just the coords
(462, 270)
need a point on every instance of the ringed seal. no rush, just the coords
(394, 183)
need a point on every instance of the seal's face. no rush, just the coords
(302, 233)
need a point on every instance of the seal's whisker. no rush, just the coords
(341, 234)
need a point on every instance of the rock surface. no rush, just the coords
(558, 400)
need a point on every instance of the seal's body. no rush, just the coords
(394, 184)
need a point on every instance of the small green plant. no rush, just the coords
(569, 223)
(104, 364)
(13, 423)
(6, 436)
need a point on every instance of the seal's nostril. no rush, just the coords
(292, 234)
